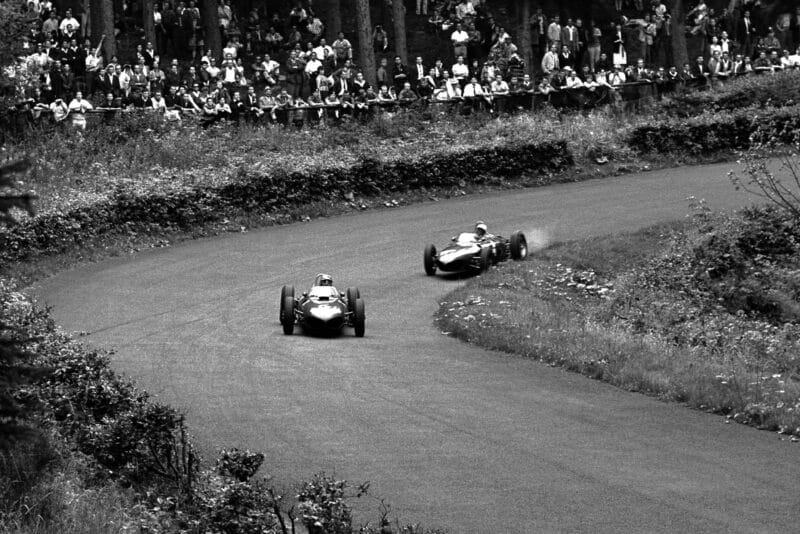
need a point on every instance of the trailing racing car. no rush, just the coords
(322, 309)
(474, 251)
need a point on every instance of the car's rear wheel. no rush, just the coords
(485, 259)
(429, 260)
(359, 317)
(352, 295)
(519, 246)
(287, 314)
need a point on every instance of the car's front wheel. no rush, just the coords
(287, 315)
(519, 246)
(359, 318)
(429, 260)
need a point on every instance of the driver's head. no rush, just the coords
(480, 228)
(325, 280)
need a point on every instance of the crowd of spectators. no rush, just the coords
(280, 66)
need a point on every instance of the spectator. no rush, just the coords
(342, 49)
(68, 22)
(382, 73)
(417, 73)
(59, 109)
(570, 38)
(399, 74)
(380, 41)
(554, 34)
(460, 70)
(550, 61)
(460, 39)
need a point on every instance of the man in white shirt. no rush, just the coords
(460, 70)
(465, 9)
(554, 32)
(313, 65)
(460, 38)
(69, 20)
(550, 60)
(500, 88)
(77, 108)
(324, 52)
(795, 58)
(573, 82)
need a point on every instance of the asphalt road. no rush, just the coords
(451, 435)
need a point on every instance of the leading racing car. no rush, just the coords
(474, 251)
(322, 309)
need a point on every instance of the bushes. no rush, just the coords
(186, 207)
(715, 132)
(781, 89)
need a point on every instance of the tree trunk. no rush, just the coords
(399, 24)
(366, 57)
(213, 36)
(107, 14)
(96, 17)
(149, 23)
(331, 14)
(680, 53)
(523, 11)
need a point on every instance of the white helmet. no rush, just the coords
(481, 228)
(324, 280)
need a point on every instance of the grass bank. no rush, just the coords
(641, 312)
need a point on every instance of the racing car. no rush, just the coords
(474, 251)
(322, 309)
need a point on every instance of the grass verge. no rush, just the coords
(605, 308)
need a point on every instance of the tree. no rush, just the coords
(213, 35)
(399, 24)
(331, 13)
(523, 12)
(366, 57)
(680, 53)
(107, 21)
(149, 23)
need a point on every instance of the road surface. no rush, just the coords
(449, 434)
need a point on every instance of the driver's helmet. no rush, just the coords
(324, 280)
(481, 228)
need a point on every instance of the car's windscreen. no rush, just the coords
(466, 238)
(323, 292)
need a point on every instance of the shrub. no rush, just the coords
(712, 132)
(186, 206)
(781, 89)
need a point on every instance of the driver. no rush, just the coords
(481, 231)
(324, 280)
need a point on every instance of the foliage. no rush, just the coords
(762, 180)
(239, 465)
(716, 131)
(778, 90)
(709, 316)
(184, 206)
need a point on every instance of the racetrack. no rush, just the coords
(451, 435)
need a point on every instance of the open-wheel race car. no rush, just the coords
(322, 309)
(474, 251)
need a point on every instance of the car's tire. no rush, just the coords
(485, 259)
(287, 315)
(352, 295)
(519, 246)
(358, 317)
(429, 260)
(286, 291)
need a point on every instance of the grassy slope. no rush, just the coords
(562, 306)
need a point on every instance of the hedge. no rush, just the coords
(186, 207)
(714, 132)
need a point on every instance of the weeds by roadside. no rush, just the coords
(641, 312)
